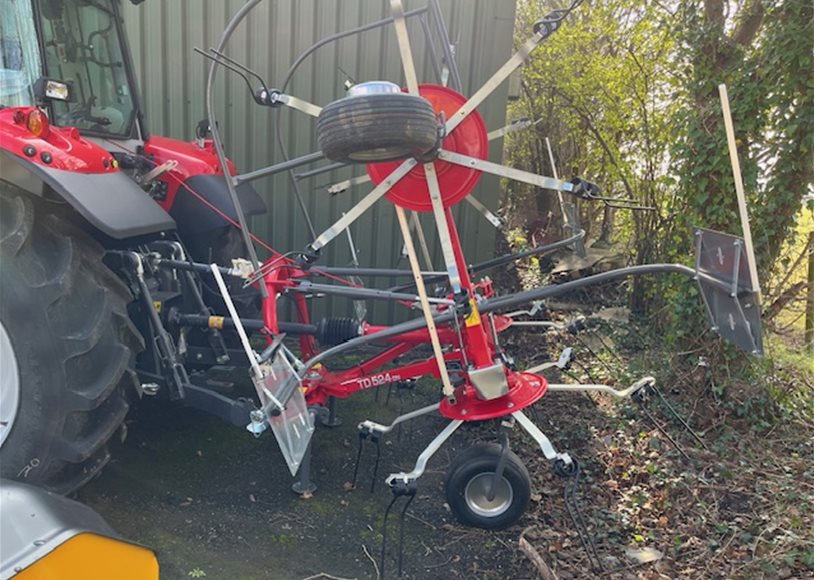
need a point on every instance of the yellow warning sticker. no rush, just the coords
(216, 322)
(474, 316)
(157, 306)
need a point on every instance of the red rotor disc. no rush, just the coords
(456, 182)
(524, 389)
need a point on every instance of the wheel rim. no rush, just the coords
(9, 385)
(476, 495)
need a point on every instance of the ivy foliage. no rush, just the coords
(627, 92)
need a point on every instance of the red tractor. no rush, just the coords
(82, 184)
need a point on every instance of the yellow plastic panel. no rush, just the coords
(91, 557)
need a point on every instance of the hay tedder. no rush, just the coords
(129, 270)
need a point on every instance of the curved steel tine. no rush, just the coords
(225, 64)
(240, 65)
(620, 202)
(630, 206)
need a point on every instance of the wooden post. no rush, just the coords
(736, 174)
(809, 335)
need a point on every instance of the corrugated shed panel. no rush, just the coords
(172, 78)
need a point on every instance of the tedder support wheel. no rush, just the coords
(67, 347)
(469, 481)
(369, 128)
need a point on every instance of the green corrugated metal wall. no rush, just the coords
(172, 78)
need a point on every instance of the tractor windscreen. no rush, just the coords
(83, 47)
(19, 54)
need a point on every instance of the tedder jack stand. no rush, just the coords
(332, 420)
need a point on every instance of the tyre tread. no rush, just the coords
(95, 336)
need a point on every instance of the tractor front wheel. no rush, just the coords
(67, 347)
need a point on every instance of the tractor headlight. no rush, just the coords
(47, 89)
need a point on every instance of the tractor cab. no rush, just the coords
(81, 44)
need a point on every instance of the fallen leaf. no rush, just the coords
(348, 486)
(643, 555)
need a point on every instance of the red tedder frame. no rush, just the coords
(473, 343)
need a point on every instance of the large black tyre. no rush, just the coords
(377, 127)
(65, 314)
(469, 478)
(220, 247)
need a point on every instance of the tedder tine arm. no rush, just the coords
(444, 236)
(299, 104)
(412, 86)
(503, 171)
(483, 210)
(406, 52)
(493, 83)
(422, 240)
(351, 216)
(424, 300)
(429, 169)
(552, 22)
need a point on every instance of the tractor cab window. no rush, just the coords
(19, 53)
(82, 47)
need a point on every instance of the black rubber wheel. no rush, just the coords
(471, 476)
(220, 247)
(65, 319)
(379, 127)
